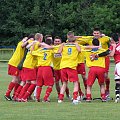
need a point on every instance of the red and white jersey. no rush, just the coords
(117, 54)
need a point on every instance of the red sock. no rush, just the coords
(18, 91)
(23, 90)
(47, 94)
(15, 88)
(10, 88)
(38, 92)
(67, 91)
(29, 91)
(75, 95)
(88, 96)
(107, 82)
(61, 96)
(103, 96)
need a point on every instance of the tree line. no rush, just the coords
(19, 18)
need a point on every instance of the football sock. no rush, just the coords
(61, 96)
(24, 89)
(29, 91)
(103, 96)
(38, 92)
(10, 88)
(75, 95)
(15, 88)
(18, 91)
(47, 94)
(117, 90)
(88, 96)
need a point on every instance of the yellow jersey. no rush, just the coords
(69, 56)
(17, 55)
(44, 56)
(56, 58)
(104, 41)
(30, 60)
(100, 61)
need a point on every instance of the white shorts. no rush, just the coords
(117, 71)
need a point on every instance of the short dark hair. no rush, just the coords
(96, 29)
(95, 42)
(49, 41)
(31, 36)
(46, 36)
(115, 37)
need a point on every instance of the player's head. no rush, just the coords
(48, 41)
(96, 32)
(71, 39)
(57, 40)
(39, 37)
(70, 34)
(115, 37)
(95, 42)
(48, 37)
(31, 36)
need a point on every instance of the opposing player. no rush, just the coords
(115, 52)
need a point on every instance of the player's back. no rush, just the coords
(69, 56)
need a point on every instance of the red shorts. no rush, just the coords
(107, 64)
(81, 69)
(28, 74)
(96, 72)
(45, 76)
(69, 74)
(12, 70)
(57, 75)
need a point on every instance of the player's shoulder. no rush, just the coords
(105, 37)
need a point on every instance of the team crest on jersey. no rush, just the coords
(57, 55)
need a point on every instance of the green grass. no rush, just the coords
(96, 110)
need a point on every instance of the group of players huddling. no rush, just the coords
(35, 64)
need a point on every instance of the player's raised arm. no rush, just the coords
(78, 47)
(61, 48)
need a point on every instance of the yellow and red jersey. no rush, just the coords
(69, 56)
(44, 56)
(56, 58)
(31, 61)
(104, 41)
(18, 55)
(100, 61)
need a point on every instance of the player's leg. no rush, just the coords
(62, 91)
(117, 90)
(100, 75)
(22, 83)
(88, 93)
(10, 87)
(117, 82)
(29, 91)
(102, 91)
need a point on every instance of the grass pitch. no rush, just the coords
(96, 110)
